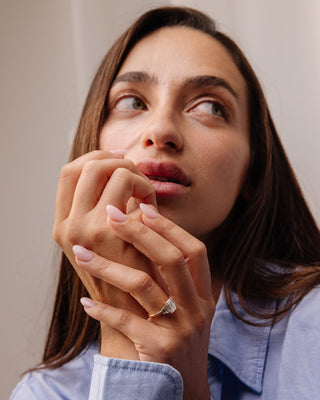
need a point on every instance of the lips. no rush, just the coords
(166, 177)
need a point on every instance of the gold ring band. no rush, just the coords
(169, 307)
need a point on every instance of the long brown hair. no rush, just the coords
(270, 224)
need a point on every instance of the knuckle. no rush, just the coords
(66, 234)
(167, 225)
(99, 153)
(56, 234)
(124, 318)
(141, 230)
(199, 249)
(96, 233)
(176, 257)
(128, 164)
(143, 283)
(73, 232)
(102, 266)
(90, 166)
(121, 173)
(67, 170)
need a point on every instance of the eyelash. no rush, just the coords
(213, 103)
(222, 108)
(128, 97)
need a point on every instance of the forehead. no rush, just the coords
(172, 53)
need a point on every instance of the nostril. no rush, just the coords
(161, 143)
(171, 144)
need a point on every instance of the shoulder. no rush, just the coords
(306, 316)
(301, 343)
(70, 381)
(298, 350)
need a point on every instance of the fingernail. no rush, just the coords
(148, 211)
(118, 152)
(86, 302)
(115, 214)
(82, 254)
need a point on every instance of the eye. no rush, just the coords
(211, 107)
(130, 103)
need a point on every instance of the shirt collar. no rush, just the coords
(238, 345)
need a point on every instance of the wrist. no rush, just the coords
(115, 345)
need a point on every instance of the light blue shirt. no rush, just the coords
(280, 362)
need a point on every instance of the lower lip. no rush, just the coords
(168, 189)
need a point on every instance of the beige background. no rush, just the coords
(49, 51)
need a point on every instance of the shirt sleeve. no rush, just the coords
(134, 380)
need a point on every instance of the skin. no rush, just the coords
(137, 258)
(178, 124)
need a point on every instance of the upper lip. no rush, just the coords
(163, 170)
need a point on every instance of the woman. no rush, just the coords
(184, 233)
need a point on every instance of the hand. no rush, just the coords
(86, 185)
(180, 339)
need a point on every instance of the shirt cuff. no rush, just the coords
(135, 380)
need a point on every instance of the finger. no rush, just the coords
(124, 184)
(193, 250)
(69, 177)
(94, 177)
(170, 260)
(138, 283)
(138, 330)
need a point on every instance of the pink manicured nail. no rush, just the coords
(82, 254)
(115, 214)
(86, 302)
(148, 211)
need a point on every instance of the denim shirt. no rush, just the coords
(279, 362)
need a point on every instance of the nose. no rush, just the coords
(162, 131)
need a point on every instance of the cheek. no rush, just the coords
(226, 170)
(235, 159)
(223, 177)
(117, 135)
(109, 139)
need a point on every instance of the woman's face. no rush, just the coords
(179, 108)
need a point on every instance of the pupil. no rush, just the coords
(216, 110)
(137, 104)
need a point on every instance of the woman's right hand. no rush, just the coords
(86, 186)
(181, 337)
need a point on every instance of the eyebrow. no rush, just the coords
(135, 76)
(198, 81)
(209, 80)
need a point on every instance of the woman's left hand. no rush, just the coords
(180, 339)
